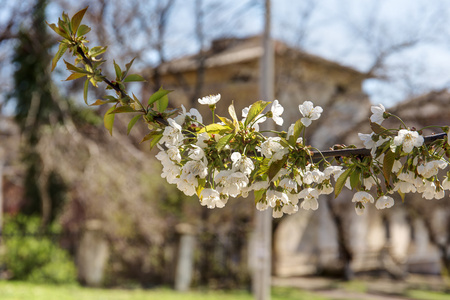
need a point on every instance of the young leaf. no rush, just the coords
(75, 76)
(123, 109)
(128, 66)
(85, 91)
(355, 179)
(118, 71)
(226, 121)
(132, 122)
(298, 127)
(388, 163)
(101, 102)
(224, 141)
(76, 19)
(232, 113)
(162, 103)
(75, 69)
(83, 29)
(61, 50)
(276, 166)
(155, 140)
(340, 182)
(258, 195)
(134, 77)
(95, 51)
(108, 119)
(157, 95)
(255, 110)
(215, 128)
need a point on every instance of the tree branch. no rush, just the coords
(366, 152)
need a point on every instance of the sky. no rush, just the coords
(350, 32)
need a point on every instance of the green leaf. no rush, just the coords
(340, 182)
(75, 69)
(149, 136)
(276, 166)
(233, 115)
(225, 140)
(134, 77)
(59, 31)
(118, 71)
(95, 51)
(76, 19)
(298, 127)
(226, 121)
(162, 104)
(61, 50)
(132, 123)
(101, 102)
(258, 195)
(215, 128)
(75, 76)
(254, 111)
(155, 140)
(157, 95)
(388, 163)
(108, 119)
(128, 66)
(85, 91)
(378, 129)
(123, 109)
(83, 29)
(355, 179)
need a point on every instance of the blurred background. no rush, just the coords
(78, 205)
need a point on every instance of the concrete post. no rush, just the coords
(185, 263)
(92, 254)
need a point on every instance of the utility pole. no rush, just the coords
(262, 247)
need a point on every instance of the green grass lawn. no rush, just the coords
(26, 291)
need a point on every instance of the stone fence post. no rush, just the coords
(185, 261)
(92, 254)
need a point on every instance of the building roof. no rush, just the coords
(229, 51)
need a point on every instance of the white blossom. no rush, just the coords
(172, 135)
(273, 196)
(370, 143)
(211, 198)
(261, 206)
(288, 184)
(209, 100)
(384, 202)
(277, 110)
(242, 163)
(230, 182)
(445, 183)
(277, 213)
(408, 140)
(289, 209)
(431, 168)
(201, 140)
(310, 196)
(270, 146)
(309, 112)
(377, 113)
(361, 198)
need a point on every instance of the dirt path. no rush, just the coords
(331, 288)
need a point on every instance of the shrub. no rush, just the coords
(34, 256)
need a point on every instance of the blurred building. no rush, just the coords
(396, 240)
(231, 67)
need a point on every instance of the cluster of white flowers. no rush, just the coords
(224, 161)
